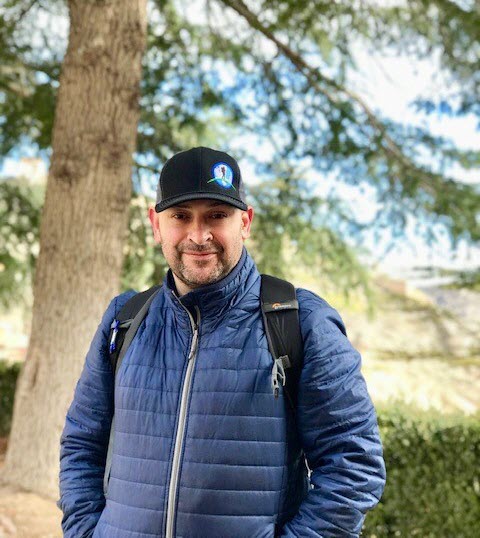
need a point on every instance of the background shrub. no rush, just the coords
(433, 482)
(8, 379)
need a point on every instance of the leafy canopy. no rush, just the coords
(271, 81)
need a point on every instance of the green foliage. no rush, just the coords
(144, 264)
(469, 279)
(449, 28)
(20, 207)
(281, 83)
(29, 71)
(20, 211)
(291, 230)
(433, 480)
(8, 379)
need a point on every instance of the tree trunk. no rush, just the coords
(84, 223)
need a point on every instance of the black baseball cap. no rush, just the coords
(200, 173)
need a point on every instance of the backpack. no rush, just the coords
(279, 307)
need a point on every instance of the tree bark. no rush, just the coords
(84, 223)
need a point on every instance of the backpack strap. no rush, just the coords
(130, 315)
(279, 306)
(122, 331)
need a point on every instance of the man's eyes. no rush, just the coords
(218, 215)
(215, 216)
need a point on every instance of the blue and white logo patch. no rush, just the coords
(222, 174)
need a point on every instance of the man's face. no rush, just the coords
(201, 240)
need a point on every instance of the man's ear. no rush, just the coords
(247, 217)
(153, 216)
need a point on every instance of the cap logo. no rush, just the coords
(222, 174)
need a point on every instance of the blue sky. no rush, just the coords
(390, 84)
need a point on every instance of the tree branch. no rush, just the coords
(145, 167)
(23, 11)
(314, 77)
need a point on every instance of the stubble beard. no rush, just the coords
(194, 277)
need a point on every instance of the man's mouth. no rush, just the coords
(199, 254)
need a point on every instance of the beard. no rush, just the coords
(195, 273)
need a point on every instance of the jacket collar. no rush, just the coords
(214, 298)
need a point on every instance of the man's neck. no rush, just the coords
(182, 288)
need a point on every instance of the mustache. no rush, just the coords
(199, 249)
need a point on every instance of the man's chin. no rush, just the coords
(196, 278)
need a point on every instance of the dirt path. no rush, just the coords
(25, 515)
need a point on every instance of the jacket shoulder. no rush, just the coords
(317, 314)
(308, 300)
(119, 301)
(116, 304)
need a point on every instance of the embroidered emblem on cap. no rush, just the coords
(222, 175)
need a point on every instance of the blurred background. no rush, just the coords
(356, 125)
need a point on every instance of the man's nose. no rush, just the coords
(199, 232)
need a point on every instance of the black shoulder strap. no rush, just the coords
(126, 322)
(280, 314)
(122, 331)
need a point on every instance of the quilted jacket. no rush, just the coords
(202, 449)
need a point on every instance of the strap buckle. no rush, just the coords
(278, 374)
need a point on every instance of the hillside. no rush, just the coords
(418, 346)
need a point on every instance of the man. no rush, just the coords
(202, 447)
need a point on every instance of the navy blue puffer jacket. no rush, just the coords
(202, 449)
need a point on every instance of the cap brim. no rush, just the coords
(175, 200)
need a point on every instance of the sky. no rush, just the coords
(388, 84)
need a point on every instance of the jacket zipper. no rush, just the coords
(179, 438)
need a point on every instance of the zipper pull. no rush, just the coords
(115, 324)
(195, 321)
(193, 349)
(278, 374)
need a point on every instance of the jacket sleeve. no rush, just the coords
(84, 441)
(338, 430)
